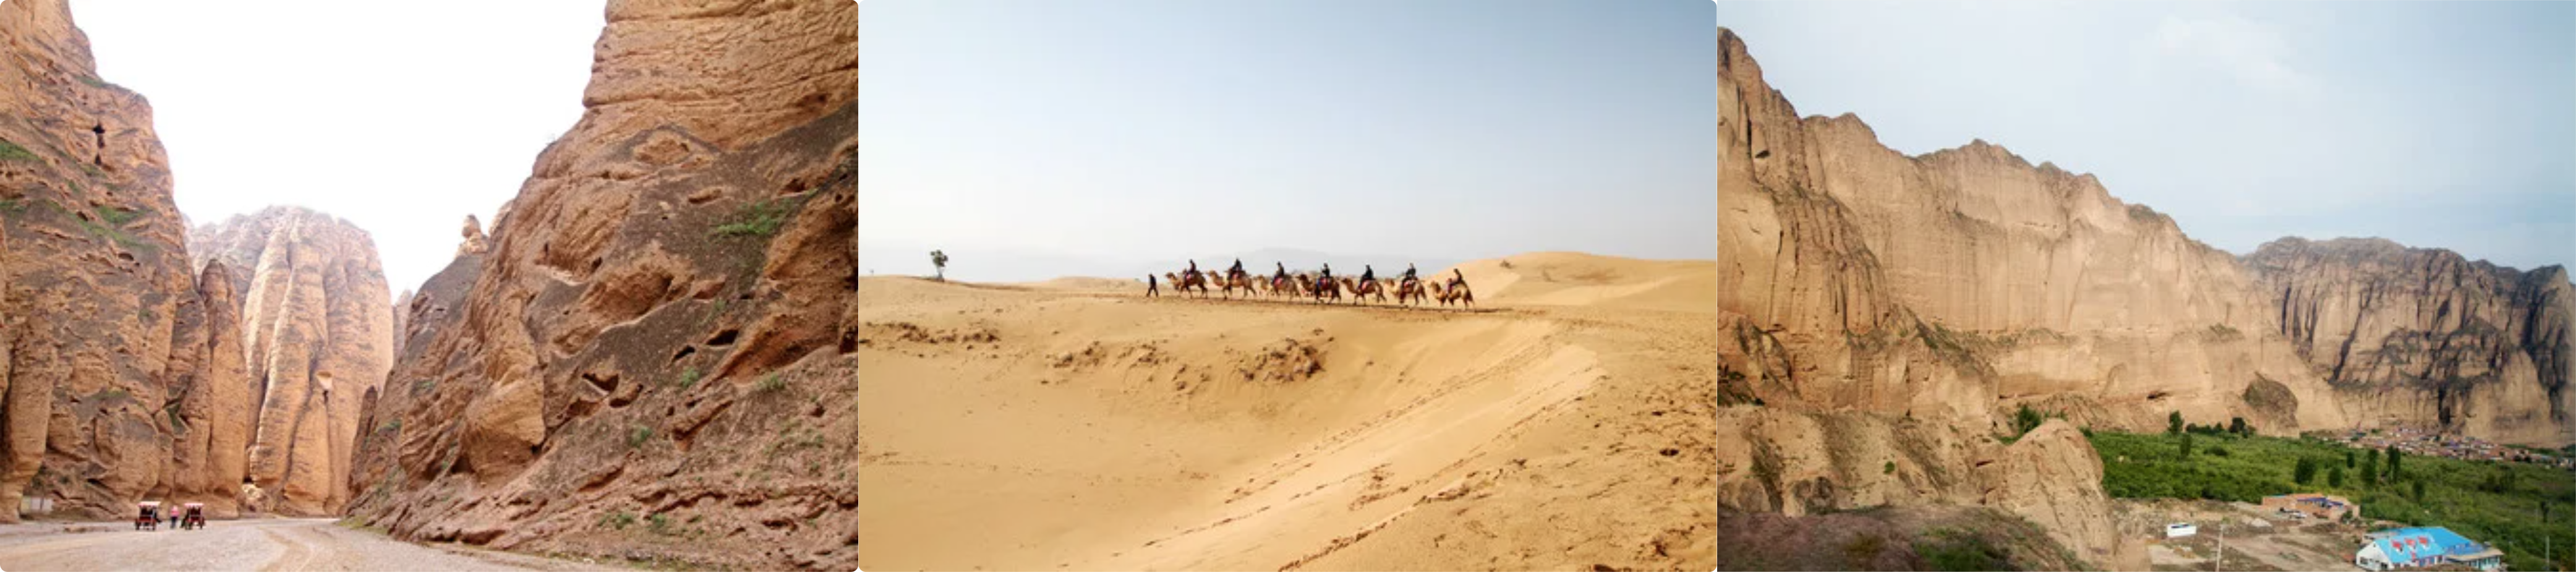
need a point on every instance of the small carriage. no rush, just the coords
(147, 515)
(195, 518)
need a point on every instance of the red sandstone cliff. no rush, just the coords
(316, 335)
(656, 327)
(116, 389)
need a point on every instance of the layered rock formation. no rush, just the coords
(2409, 336)
(316, 334)
(2017, 283)
(1775, 459)
(109, 386)
(219, 401)
(656, 344)
(1877, 298)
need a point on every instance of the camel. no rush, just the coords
(1318, 288)
(1411, 291)
(1282, 285)
(1183, 285)
(1456, 292)
(1360, 288)
(1233, 282)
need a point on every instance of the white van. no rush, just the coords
(2181, 529)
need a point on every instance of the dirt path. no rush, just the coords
(266, 545)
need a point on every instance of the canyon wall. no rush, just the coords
(651, 349)
(316, 334)
(1838, 393)
(117, 389)
(2424, 337)
(2032, 284)
(1888, 312)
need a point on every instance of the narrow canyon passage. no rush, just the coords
(267, 545)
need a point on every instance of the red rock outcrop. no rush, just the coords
(218, 399)
(474, 242)
(1772, 459)
(2412, 336)
(316, 333)
(98, 282)
(654, 345)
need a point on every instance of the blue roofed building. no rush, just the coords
(2421, 547)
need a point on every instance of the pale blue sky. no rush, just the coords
(1122, 131)
(399, 117)
(2449, 124)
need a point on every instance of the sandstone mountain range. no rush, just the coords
(1891, 311)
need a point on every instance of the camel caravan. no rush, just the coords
(1322, 287)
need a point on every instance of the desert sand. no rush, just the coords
(1075, 424)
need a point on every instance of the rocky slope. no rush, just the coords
(2412, 335)
(1887, 311)
(316, 335)
(117, 386)
(653, 349)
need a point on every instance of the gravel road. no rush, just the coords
(266, 545)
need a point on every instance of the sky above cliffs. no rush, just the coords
(1107, 133)
(402, 118)
(2435, 124)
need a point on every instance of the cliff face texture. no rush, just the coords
(219, 401)
(1890, 310)
(2411, 335)
(110, 379)
(2024, 284)
(316, 335)
(653, 348)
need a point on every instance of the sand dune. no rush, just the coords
(1069, 425)
(1576, 279)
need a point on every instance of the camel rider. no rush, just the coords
(1328, 274)
(1193, 272)
(1236, 271)
(1457, 278)
(1367, 275)
(1283, 272)
(1408, 273)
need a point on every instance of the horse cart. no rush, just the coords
(195, 518)
(147, 515)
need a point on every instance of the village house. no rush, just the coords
(2423, 547)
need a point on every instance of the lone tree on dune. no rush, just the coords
(939, 264)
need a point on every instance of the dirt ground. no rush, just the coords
(2253, 538)
(267, 545)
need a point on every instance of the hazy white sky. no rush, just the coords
(401, 117)
(1123, 131)
(2439, 124)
